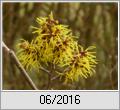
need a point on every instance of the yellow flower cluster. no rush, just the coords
(54, 43)
(82, 64)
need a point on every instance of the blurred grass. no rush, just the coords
(94, 23)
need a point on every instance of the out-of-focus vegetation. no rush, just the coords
(94, 23)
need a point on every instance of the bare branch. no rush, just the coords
(45, 70)
(24, 73)
(55, 77)
(4, 45)
(49, 81)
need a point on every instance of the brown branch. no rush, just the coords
(57, 76)
(50, 74)
(49, 81)
(24, 73)
(45, 70)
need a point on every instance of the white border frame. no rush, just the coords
(58, 90)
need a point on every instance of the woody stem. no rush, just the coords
(20, 67)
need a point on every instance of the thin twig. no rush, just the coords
(64, 72)
(49, 76)
(45, 70)
(55, 77)
(49, 81)
(52, 68)
(24, 73)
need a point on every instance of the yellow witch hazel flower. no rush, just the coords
(28, 55)
(82, 64)
(54, 43)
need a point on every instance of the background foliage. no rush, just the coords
(94, 23)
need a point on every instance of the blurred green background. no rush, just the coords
(94, 23)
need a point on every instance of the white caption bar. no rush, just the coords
(60, 100)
